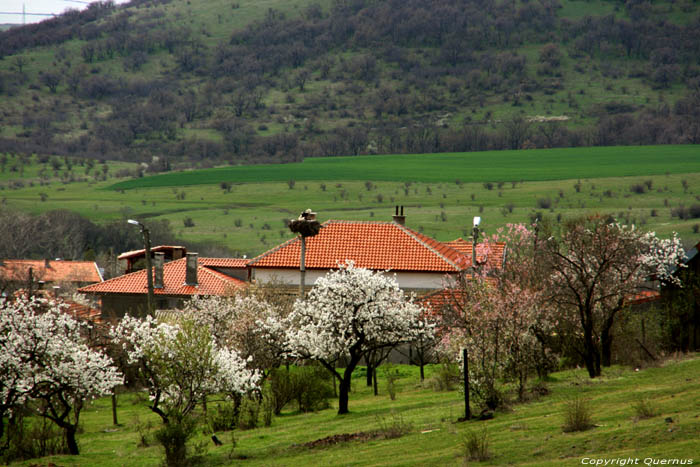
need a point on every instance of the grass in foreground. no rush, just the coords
(528, 434)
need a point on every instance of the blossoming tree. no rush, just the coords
(597, 267)
(44, 356)
(181, 364)
(233, 322)
(348, 313)
(493, 313)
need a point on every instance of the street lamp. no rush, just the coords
(475, 237)
(149, 270)
(465, 353)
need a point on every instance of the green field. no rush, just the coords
(526, 434)
(249, 218)
(491, 166)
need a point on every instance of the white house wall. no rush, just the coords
(406, 280)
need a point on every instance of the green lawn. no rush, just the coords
(526, 434)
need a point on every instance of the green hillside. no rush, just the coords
(200, 83)
(245, 208)
(526, 434)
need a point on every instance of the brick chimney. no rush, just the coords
(399, 218)
(47, 263)
(159, 260)
(191, 274)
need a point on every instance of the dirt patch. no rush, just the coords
(343, 438)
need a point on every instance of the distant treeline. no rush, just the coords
(408, 62)
(68, 235)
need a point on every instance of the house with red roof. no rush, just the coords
(173, 283)
(419, 262)
(59, 276)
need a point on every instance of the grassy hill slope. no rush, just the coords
(528, 434)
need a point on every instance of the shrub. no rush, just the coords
(394, 427)
(309, 386)
(643, 409)
(488, 185)
(35, 437)
(476, 446)
(391, 374)
(544, 203)
(446, 378)
(577, 416)
(188, 222)
(174, 436)
(223, 417)
(312, 388)
(249, 414)
(638, 188)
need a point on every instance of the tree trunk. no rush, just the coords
(343, 396)
(70, 439)
(374, 381)
(345, 384)
(422, 370)
(370, 370)
(606, 347)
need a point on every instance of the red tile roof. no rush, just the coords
(57, 270)
(237, 263)
(372, 245)
(142, 251)
(644, 296)
(210, 282)
(491, 252)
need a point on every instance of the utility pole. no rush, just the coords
(149, 269)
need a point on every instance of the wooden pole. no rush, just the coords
(467, 411)
(302, 267)
(114, 407)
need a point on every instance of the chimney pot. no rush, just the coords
(191, 273)
(159, 260)
(399, 218)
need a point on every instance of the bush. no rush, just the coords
(391, 373)
(638, 188)
(174, 436)
(643, 409)
(476, 446)
(188, 222)
(223, 417)
(309, 386)
(544, 203)
(683, 212)
(313, 388)
(30, 438)
(446, 378)
(577, 416)
(395, 427)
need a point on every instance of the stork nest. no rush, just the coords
(304, 228)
